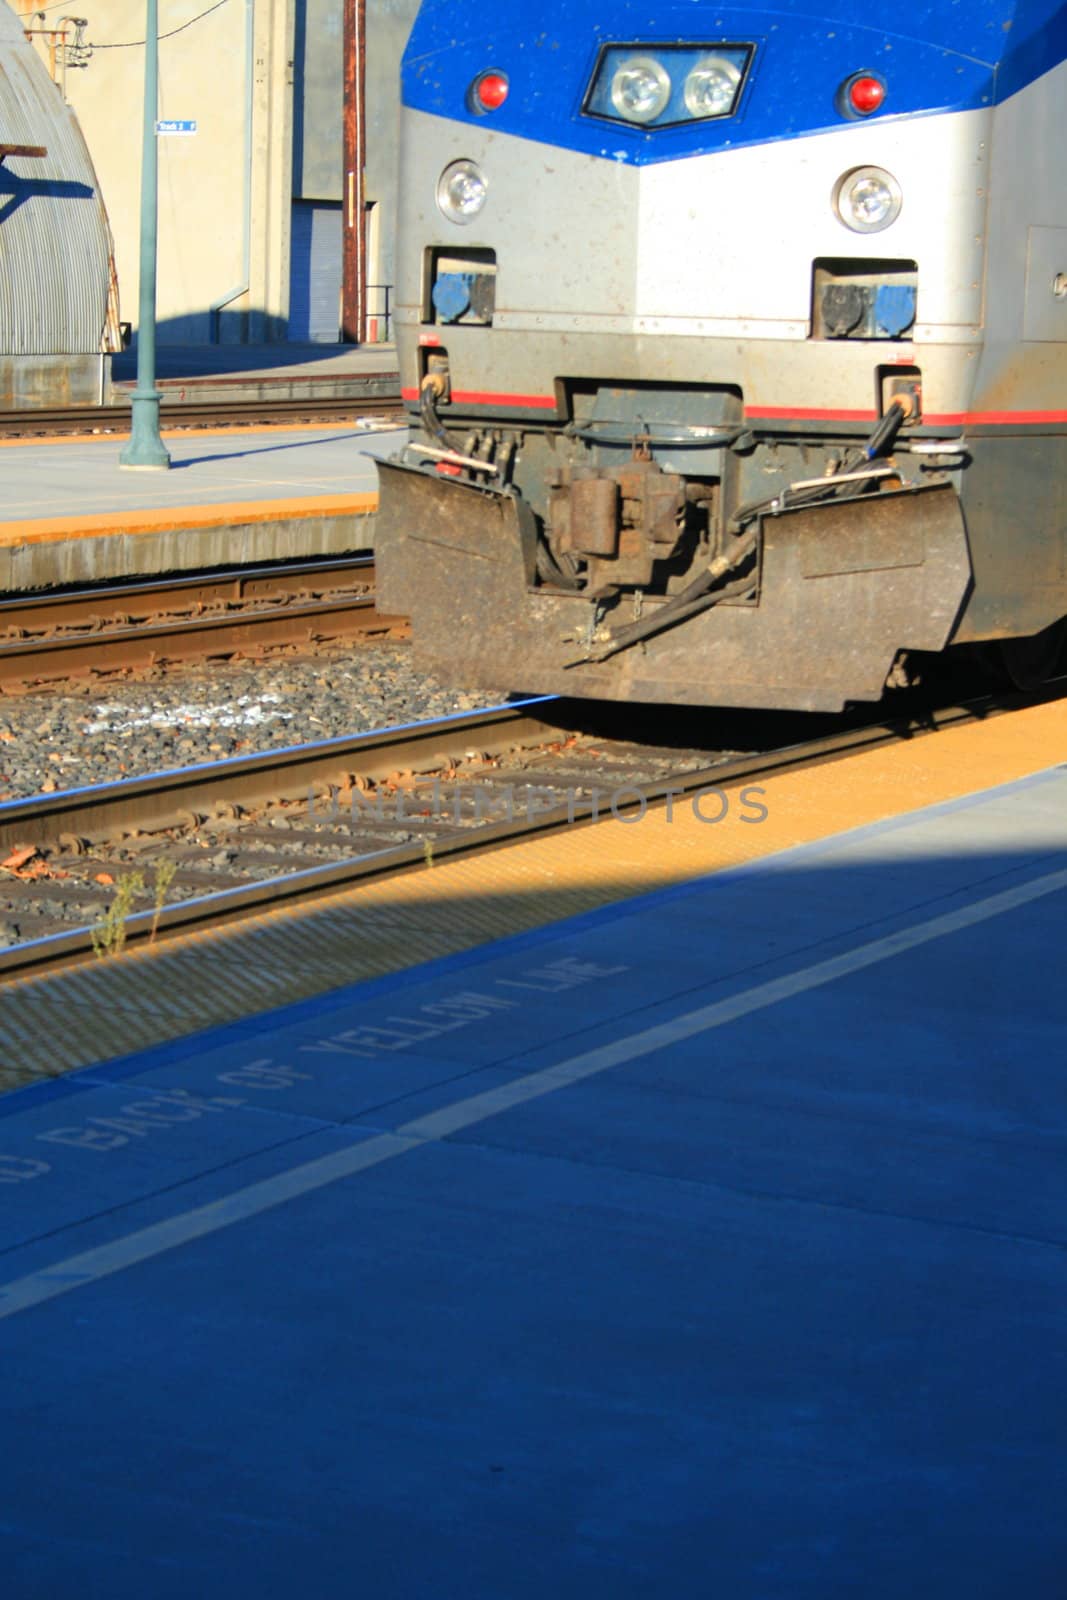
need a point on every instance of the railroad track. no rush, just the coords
(52, 637)
(196, 847)
(382, 402)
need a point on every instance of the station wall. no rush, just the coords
(388, 24)
(250, 204)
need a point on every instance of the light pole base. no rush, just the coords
(146, 449)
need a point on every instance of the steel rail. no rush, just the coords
(94, 603)
(54, 636)
(50, 420)
(184, 796)
(163, 800)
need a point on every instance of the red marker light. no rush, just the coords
(865, 94)
(448, 469)
(490, 91)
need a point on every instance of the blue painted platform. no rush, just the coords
(712, 1245)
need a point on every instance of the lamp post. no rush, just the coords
(146, 449)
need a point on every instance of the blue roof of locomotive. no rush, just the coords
(936, 55)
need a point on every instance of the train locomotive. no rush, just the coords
(735, 343)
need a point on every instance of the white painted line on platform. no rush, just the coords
(92, 1265)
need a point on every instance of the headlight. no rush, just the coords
(711, 88)
(867, 199)
(649, 86)
(640, 89)
(462, 191)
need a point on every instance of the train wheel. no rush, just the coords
(1032, 662)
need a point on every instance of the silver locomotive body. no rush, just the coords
(690, 435)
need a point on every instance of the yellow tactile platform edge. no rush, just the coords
(50, 1025)
(175, 519)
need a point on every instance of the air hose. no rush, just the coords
(433, 386)
(705, 591)
(887, 427)
(849, 471)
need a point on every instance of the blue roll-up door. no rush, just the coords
(315, 272)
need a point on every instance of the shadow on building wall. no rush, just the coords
(183, 351)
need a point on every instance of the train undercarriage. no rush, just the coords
(654, 548)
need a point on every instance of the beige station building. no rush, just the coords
(279, 128)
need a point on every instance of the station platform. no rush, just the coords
(710, 1242)
(193, 373)
(73, 515)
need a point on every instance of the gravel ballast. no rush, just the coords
(125, 728)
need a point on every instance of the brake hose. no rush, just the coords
(887, 427)
(697, 596)
(432, 386)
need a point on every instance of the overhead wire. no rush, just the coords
(137, 44)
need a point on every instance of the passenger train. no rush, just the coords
(735, 341)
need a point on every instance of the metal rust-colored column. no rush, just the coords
(353, 237)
